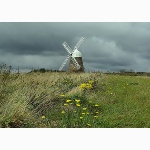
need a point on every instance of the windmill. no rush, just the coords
(76, 63)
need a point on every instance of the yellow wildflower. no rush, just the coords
(78, 105)
(88, 86)
(62, 95)
(84, 108)
(63, 112)
(95, 116)
(82, 86)
(81, 117)
(43, 117)
(83, 113)
(67, 101)
(89, 124)
(65, 104)
(87, 113)
(77, 100)
(96, 105)
(97, 112)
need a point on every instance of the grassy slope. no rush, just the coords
(126, 102)
(34, 100)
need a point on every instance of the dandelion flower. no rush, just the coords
(88, 86)
(89, 124)
(87, 113)
(63, 112)
(82, 86)
(97, 112)
(77, 100)
(96, 105)
(67, 101)
(65, 104)
(43, 117)
(83, 113)
(78, 105)
(95, 116)
(81, 117)
(84, 108)
(62, 95)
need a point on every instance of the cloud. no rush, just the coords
(107, 46)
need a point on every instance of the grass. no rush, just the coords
(81, 100)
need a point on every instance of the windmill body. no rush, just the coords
(78, 56)
(76, 61)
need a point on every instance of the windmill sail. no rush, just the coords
(79, 43)
(66, 46)
(76, 63)
(64, 63)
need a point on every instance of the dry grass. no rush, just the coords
(26, 97)
(123, 101)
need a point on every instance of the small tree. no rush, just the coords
(43, 70)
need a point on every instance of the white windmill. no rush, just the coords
(76, 63)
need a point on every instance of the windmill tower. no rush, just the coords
(76, 62)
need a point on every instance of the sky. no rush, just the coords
(108, 46)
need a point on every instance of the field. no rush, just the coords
(77, 100)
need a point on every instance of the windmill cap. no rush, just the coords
(76, 53)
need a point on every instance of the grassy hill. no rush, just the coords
(79, 100)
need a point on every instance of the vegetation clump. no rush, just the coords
(73, 100)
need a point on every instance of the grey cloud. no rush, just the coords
(107, 46)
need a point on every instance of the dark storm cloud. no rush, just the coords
(107, 46)
(28, 38)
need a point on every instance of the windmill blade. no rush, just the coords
(66, 46)
(79, 43)
(64, 63)
(75, 62)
